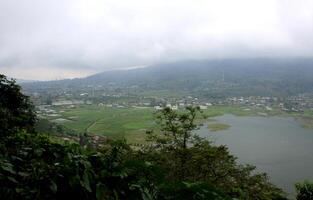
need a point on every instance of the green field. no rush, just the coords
(218, 127)
(132, 123)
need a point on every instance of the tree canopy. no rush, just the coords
(174, 163)
(16, 110)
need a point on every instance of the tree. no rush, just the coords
(304, 190)
(48, 100)
(185, 157)
(16, 110)
(175, 165)
(178, 127)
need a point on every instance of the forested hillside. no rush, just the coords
(207, 78)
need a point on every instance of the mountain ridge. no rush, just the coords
(230, 76)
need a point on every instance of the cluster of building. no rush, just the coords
(250, 101)
(70, 102)
(117, 99)
(297, 103)
(290, 104)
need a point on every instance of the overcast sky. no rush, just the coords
(42, 40)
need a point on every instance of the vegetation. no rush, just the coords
(174, 164)
(218, 126)
(109, 121)
(129, 123)
(16, 111)
(304, 190)
(187, 157)
(213, 79)
(124, 122)
(132, 123)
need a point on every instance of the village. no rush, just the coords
(297, 103)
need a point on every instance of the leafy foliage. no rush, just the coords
(304, 190)
(174, 165)
(187, 157)
(16, 111)
(33, 167)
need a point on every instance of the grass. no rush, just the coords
(214, 111)
(218, 127)
(163, 93)
(132, 123)
(113, 122)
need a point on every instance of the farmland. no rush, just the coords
(131, 123)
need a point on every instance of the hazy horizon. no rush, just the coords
(66, 39)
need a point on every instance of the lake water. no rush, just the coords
(275, 145)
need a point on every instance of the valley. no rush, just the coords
(133, 122)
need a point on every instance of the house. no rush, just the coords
(158, 107)
(268, 108)
(202, 107)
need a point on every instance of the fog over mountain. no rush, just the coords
(46, 40)
(217, 78)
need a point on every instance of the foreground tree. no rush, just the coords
(174, 165)
(186, 157)
(304, 190)
(16, 111)
(34, 167)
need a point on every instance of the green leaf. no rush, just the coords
(12, 179)
(86, 183)
(24, 174)
(53, 187)
(8, 167)
(100, 191)
(38, 152)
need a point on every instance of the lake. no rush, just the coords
(276, 145)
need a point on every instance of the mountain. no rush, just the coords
(21, 81)
(224, 77)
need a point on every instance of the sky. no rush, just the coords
(56, 39)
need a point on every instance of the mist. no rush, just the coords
(46, 40)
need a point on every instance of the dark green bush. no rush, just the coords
(304, 190)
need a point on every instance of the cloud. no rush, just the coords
(70, 38)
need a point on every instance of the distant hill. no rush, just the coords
(21, 81)
(208, 78)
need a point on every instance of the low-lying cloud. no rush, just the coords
(72, 38)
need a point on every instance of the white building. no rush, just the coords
(202, 107)
(158, 107)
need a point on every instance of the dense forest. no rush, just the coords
(175, 164)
